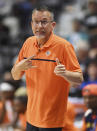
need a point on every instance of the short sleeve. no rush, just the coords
(69, 59)
(21, 56)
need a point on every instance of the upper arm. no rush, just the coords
(70, 59)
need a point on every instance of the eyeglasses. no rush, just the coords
(43, 23)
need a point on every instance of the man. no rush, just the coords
(50, 65)
(90, 97)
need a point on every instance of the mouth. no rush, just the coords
(40, 33)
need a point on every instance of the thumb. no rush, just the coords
(57, 61)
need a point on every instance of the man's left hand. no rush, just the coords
(59, 69)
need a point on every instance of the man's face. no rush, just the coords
(42, 24)
(90, 101)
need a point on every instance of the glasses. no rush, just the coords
(43, 23)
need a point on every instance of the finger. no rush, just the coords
(29, 58)
(61, 69)
(29, 62)
(33, 67)
(60, 66)
(57, 61)
(30, 67)
(60, 72)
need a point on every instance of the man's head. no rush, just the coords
(89, 93)
(42, 22)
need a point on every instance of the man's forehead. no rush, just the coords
(41, 15)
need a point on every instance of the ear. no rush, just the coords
(31, 25)
(53, 24)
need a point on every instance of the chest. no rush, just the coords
(43, 56)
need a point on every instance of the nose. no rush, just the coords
(40, 24)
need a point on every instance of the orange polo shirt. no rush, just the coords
(70, 118)
(47, 92)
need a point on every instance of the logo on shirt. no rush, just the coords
(48, 53)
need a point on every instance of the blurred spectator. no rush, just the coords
(90, 98)
(93, 41)
(82, 53)
(4, 41)
(70, 12)
(4, 33)
(7, 77)
(92, 54)
(12, 110)
(5, 6)
(12, 23)
(78, 33)
(79, 109)
(90, 19)
(20, 105)
(22, 9)
(91, 72)
(6, 100)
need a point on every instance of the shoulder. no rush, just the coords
(30, 39)
(61, 41)
(28, 42)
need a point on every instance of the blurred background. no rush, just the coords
(76, 21)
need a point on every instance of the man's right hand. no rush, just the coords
(18, 69)
(25, 64)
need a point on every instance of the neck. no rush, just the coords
(41, 42)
